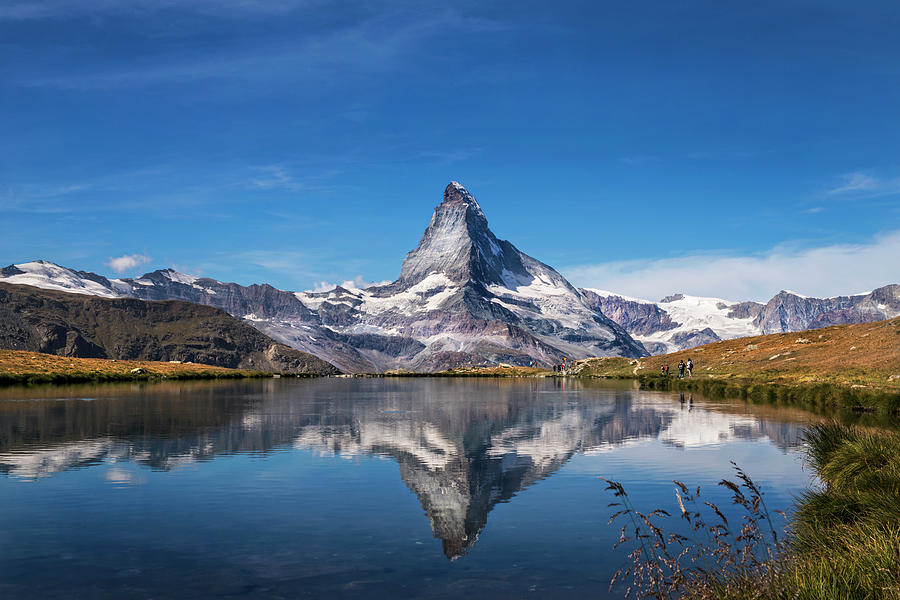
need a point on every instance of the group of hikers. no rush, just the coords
(683, 367)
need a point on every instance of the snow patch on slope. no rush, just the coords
(49, 276)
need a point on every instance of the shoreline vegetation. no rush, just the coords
(842, 538)
(18, 367)
(855, 367)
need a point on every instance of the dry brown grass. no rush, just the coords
(496, 371)
(22, 366)
(861, 355)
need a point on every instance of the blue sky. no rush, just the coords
(729, 149)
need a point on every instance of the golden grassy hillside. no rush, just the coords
(862, 354)
(18, 366)
(844, 363)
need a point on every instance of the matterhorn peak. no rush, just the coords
(456, 196)
(457, 226)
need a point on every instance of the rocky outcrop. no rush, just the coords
(789, 311)
(680, 321)
(130, 329)
(637, 317)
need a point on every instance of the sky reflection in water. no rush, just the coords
(290, 488)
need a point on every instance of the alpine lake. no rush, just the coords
(358, 488)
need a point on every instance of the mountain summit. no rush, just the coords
(463, 297)
(472, 298)
(457, 234)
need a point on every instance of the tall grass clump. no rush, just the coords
(843, 541)
(708, 557)
(846, 534)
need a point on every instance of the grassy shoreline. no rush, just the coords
(843, 537)
(28, 368)
(853, 367)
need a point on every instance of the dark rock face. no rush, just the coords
(679, 322)
(638, 318)
(696, 337)
(745, 310)
(85, 326)
(10, 271)
(789, 312)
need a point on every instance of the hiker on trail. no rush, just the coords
(667, 369)
(681, 367)
(690, 367)
(662, 370)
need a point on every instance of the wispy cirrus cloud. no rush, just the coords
(275, 177)
(32, 10)
(819, 271)
(865, 184)
(127, 262)
(355, 49)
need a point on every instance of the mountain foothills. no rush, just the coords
(464, 297)
(82, 326)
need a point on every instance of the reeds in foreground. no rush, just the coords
(843, 541)
(713, 553)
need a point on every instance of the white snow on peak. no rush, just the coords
(425, 296)
(540, 295)
(794, 294)
(179, 277)
(50, 276)
(460, 187)
(608, 294)
(697, 313)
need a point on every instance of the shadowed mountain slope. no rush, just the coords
(84, 326)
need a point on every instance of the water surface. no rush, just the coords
(355, 488)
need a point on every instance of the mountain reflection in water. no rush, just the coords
(460, 450)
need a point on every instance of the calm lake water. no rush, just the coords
(355, 488)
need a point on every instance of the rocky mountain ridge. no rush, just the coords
(86, 326)
(465, 297)
(678, 322)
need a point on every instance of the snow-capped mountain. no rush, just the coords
(789, 311)
(466, 297)
(463, 297)
(679, 321)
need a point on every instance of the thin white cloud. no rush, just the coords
(823, 272)
(127, 262)
(29, 10)
(357, 283)
(854, 182)
(355, 49)
(866, 185)
(275, 177)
